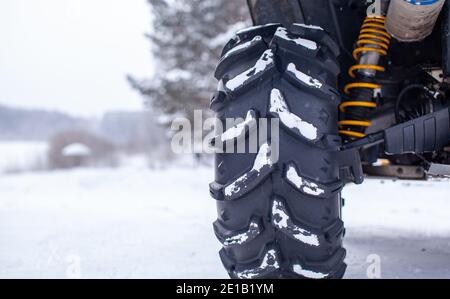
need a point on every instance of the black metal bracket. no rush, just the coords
(350, 168)
(424, 134)
(428, 133)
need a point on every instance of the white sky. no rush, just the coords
(73, 55)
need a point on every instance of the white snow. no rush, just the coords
(239, 129)
(279, 107)
(243, 46)
(76, 149)
(243, 237)
(221, 39)
(309, 26)
(308, 273)
(261, 65)
(405, 223)
(124, 223)
(263, 158)
(302, 184)
(308, 80)
(248, 29)
(220, 85)
(282, 221)
(309, 44)
(176, 75)
(269, 263)
(20, 156)
(416, 206)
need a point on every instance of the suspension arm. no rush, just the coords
(428, 133)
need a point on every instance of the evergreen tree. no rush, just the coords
(187, 38)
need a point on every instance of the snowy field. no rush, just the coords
(19, 156)
(137, 223)
(124, 223)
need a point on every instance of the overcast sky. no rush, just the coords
(73, 55)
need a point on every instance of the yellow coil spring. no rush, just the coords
(373, 37)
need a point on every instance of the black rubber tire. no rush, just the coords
(285, 220)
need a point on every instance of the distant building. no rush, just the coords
(80, 149)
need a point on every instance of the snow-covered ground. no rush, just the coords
(406, 224)
(138, 223)
(20, 156)
(113, 223)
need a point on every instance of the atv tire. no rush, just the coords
(281, 219)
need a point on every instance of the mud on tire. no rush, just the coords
(281, 219)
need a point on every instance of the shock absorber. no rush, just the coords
(372, 44)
